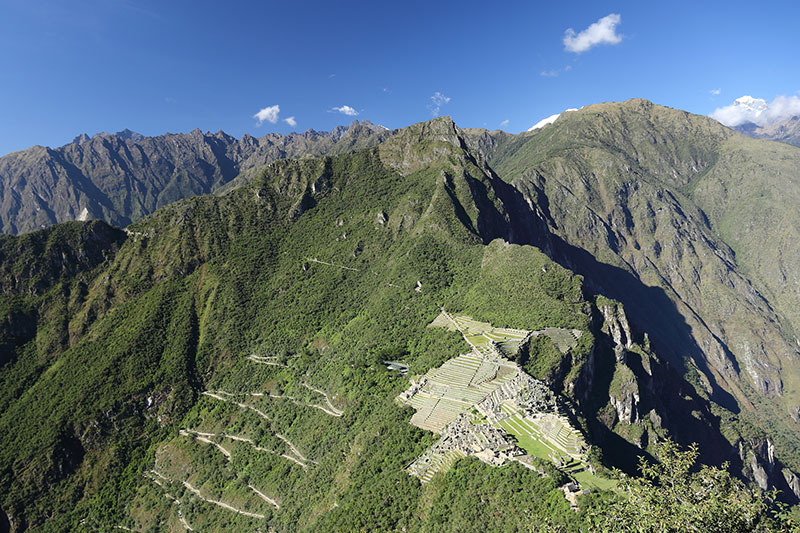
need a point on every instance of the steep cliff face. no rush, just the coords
(122, 177)
(750, 196)
(625, 194)
(638, 397)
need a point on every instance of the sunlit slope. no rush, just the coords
(316, 264)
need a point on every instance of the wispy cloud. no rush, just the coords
(504, 123)
(345, 110)
(554, 73)
(268, 114)
(290, 121)
(715, 92)
(604, 31)
(437, 101)
(758, 111)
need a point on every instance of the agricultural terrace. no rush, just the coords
(485, 338)
(493, 390)
(459, 384)
(481, 335)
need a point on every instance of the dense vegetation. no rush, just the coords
(674, 495)
(319, 270)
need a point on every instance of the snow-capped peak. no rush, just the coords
(755, 106)
(549, 120)
(747, 109)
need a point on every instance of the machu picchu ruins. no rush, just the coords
(483, 404)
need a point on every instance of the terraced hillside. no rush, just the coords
(469, 397)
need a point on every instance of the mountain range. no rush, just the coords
(228, 349)
(786, 131)
(124, 176)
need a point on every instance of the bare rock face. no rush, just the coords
(616, 325)
(760, 475)
(122, 177)
(761, 466)
(626, 405)
(792, 481)
(624, 394)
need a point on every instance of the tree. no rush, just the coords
(673, 496)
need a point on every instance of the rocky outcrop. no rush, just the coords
(648, 401)
(35, 262)
(762, 467)
(792, 481)
(615, 323)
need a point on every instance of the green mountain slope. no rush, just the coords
(202, 284)
(220, 364)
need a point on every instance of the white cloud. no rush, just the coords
(782, 108)
(604, 31)
(758, 111)
(554, 73)
(437, 101)
(504, 123)
(715, 92)
(268, 114)
(290, 121)
(345, 110)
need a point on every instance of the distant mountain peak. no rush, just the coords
(757, 105)
(80, 139)
(751, 108)
(129, 135)
(786, 131)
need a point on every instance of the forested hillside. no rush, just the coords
(221, 363)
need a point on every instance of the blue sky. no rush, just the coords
(72, 66)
